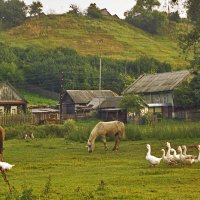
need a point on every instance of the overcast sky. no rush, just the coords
(113, 6)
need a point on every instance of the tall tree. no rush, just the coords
(12, 12)
(93, 11)
(190, 42)
(142, 5)
(144, 16)
(35, 8)
(74, 9)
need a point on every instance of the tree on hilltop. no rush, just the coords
(12, 12)
(93, 11)
(74, 9)
(35, 9)
(143, 16)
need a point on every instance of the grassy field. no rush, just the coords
(76, 174)
(35, 99)
(119, 39)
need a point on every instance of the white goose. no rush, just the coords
(185, 159)
(185, 152)
(168, 151)
(198, 158)
(4, 166)
(165, 158)
(152, 159)
(176, 156)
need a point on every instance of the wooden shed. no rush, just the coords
(157, 90)
(110, 110)
(11, 101)
(43, 114)
(105, 12)
(76, 98)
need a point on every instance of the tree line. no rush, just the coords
(44, 68)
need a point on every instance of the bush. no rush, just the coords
(93, 11)
(151, 22)
(18, 131)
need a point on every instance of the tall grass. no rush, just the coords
(80, 130)
(163, 130)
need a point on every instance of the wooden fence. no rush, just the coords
(188, 115)
(17, 119)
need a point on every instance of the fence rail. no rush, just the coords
(17, 119)
(191, 115)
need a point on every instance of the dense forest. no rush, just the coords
(52, 68)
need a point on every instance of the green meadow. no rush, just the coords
(58, 168)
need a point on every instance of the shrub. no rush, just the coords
(49, 130)
(18, 131)
(151, 22)
(93, 11)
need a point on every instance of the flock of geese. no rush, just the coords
(172, 157)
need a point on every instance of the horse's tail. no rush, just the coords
(2, 135)
(121, 127)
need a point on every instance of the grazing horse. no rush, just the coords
(103, 129)
(2, 137)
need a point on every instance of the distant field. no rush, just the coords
(35, 99)
(76, 174)
(108, 37)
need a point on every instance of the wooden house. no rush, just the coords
(105, 12)
(74, 99)
(10, 100)
(109, 109)
(157, 90)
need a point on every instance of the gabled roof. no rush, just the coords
(9, 94)
(85, 96)
(105, 12)
(111, 102)
(157, 82)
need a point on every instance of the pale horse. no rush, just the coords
(103, 129)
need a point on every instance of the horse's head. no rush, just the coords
(90, 146)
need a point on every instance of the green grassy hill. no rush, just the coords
(119, 39)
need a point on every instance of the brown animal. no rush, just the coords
(103, 129)
(2, 137)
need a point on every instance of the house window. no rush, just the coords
(13, 109)
(1, 110)
(158, 110)
(165, 99)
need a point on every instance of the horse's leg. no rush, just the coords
(117, 140)
(105, 143)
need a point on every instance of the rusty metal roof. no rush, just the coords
(157, 82)
(85, 96)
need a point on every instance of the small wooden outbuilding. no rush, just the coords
(105, 12)
(110, 110)
(74, 99)
(43, 114)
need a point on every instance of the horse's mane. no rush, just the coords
(94, 132)
(2, 134)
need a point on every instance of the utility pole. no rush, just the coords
(99, 43)
(100, 73)
(61, 94)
